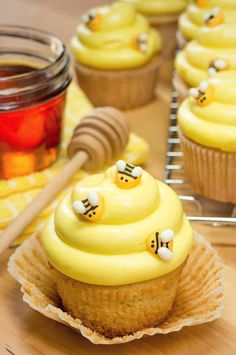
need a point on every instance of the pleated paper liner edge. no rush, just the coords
(199, 297)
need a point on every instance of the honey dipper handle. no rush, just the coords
(56, 185)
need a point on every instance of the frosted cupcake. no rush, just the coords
(207, 128)
(117, 245)
(191, 21)
(117, 56)
(214, 44)
(163, 15)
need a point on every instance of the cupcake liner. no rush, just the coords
(209, 171)
(168, 34)
(199, 296)
(117, 310)
(124, 89)
(181, 40)
(181, 88)
(157, 20)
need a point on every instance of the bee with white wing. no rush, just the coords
(91, 208)
(161, 244)
(127, 175)
(203, 95)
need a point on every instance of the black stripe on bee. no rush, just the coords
(128, 174)
(88, 207)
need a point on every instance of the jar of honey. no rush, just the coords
(34, 76)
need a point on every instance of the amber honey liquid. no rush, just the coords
(29, 137)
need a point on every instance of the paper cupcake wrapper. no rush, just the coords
(181, 40)
(199, 297)
(167, 26)
(181, 88)
(158, 20)
(210, 172)
(124, 89)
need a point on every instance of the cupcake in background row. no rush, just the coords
(117, 246)
(207, 128)
(117, 56)
(163, 14)
(191, 21)
(213, 49)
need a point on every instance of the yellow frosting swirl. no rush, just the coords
(159, 7)
(192, 19)
(213, 125)
(113, 250)
(115, 38)
(193, 61)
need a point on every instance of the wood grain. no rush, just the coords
(24, 331)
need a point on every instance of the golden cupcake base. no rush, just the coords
(210, 172)
(181, 88)
(180, 39)
(124, 89)
(199, 297)
(167, 26)
(119, 310)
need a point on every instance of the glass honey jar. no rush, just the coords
(34, 76)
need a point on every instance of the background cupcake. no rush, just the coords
(116, 56)
(214, 43)
(118, 250)
(207, 128)
(192, 19)
(163, 15)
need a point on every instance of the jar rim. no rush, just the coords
(56, 71)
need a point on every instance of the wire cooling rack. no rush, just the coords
(198, 209)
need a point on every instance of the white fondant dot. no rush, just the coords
(203, 86)
(193, 92)
(165, 254)
(121, 164)
(78, 207)
(167, 235)
(137, 171)
(93, 198)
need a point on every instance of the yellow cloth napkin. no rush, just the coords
(16, 193)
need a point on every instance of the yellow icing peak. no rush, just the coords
(115, 37)
(212, 125)
(159, 7)
(212, 43)
(191, 21)
(118, 248)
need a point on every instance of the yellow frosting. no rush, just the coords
(192, 19)
(211, 43)
(215, 124)
(159, 7)
(115, 41)
(113, 250)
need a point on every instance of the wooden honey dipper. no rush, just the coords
(98, 140)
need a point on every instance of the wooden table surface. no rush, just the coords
(24, 331)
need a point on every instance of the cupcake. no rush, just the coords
(117, 245)
(192, 19)
(117, 56)
(207, 129)
(214, 47)
(163, 15)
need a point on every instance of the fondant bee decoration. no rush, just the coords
(127, 175)
(202, 3)
(91, 208)
(216, 66)
(203, 95)
(92, 19)
(214, 18)
(141, 43)
(161, 244)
